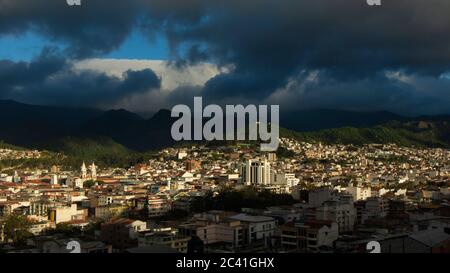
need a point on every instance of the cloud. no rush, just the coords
(389, 91)
(172, 77)
(51, 79)
(265, 46)
(18, 73)
(97, 27)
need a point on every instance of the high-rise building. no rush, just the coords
(359, 193)
(256, 172)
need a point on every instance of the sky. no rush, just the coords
(145, 55)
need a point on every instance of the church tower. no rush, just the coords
(83, 171)
(93, 171)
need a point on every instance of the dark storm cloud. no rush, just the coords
(97, 27)
(24, 73)
(50, 79)
(395, 92)
(267, 42)
(270, 41)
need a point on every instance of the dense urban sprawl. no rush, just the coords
(307, 197)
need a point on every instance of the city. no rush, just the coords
(305, 198)
(221, 135)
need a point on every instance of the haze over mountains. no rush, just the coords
(56, 128)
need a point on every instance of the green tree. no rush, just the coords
(93, 226)
(16, 228)
(88, 183)
(66, 229)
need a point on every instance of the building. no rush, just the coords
(427, 241)
(122, 233)
(272, 156)
(285, 179)
(54, 179)
(83, 171)
(192, 165)
(318, 196)
(7, 207)
(175, 241)
(309, 235)
(256, 172)
(341, 211)
(40, 207)
(93, 170)
(75, 182)
(259, 228)
(62, 214)
(359, 193)
(373, 207)
(182, 155)
(158, 205)
(109, 211)
(228, 231)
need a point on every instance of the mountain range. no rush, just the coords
(71, 129)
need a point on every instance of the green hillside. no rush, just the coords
(103, 151)
(407, 134)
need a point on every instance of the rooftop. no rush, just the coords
(250, 218)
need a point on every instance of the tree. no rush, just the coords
(66, 229)
(16, 228)
(90, 229)
(88, 183)
(235, 200)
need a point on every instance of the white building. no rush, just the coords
(187, 177)
(256, 172)
(259, 227)
(285, 179)
(341, 211)
(54, 179)
(83, 171)
(359, 193)
(75, 182)
(373, 207)
(93, 171)
(182, 155)
(67, 214)
(310, 235)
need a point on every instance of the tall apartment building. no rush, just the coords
(340, 210)
(360, 193)
(256, 172)
(122, 233)
(236, 231)
(373, 207)
(309, 235)
(158, 205)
